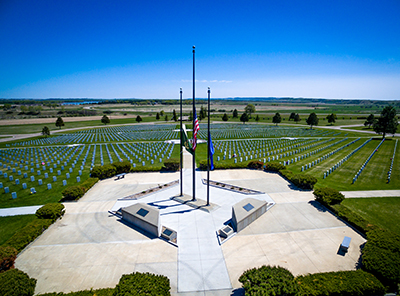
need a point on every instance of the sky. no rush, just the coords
(143, 49)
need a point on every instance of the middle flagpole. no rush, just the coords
(193, 117)
(181, 154)
(208, 151)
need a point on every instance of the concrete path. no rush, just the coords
(370, 193)
(18, 211)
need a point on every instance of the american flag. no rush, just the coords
(196, 128)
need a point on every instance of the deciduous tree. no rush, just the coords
(235, 113)
(45, 131)
(244, 118)
(277, 119)
(59, 122)
(370, 120)
(249, 109)
(312, 119)
(387, 122)
(225, 117)
(105, 119)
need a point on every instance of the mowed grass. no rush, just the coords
(374, 175)
(379, 211)
(10, 225)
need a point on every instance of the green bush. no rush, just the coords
(345, 283)
(99, 292)
(28, 234)
(7, 257)
(89, 183)
(73, 193)
(255, 165)
(122, 167)
(14, 282)
(142, 284)
(171, 165)
(328, 196)
(51, 211)
(103, 172)
(381, 256)
(274, 166)
(303, 181)
(268, 280)
(222, 166)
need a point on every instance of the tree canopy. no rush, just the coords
(312, 119)
(331, 118)
(138, 119)
(225, 117)
(244, 118)
(387, 122)
(45, 131)
(370, 120)
(105, 119)
(235, 113)
(158, 116)
(292, 115)
(297, 118)
(277, 118)
(249, 109)
(59, 122)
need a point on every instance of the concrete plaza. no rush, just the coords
(91, 248)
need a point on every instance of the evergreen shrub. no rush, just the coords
(15, 282)
(28, 234)
(269, 280)
(139, 284)
(8, 255)
(255, 165)
(171, 165)
(51, 211)
(345, 283)
(381, 256)
(328, 196)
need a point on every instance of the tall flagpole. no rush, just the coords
(181, 161)
(194, 154)
(208, 152)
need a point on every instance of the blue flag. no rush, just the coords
(211, 149)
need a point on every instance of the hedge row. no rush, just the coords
(77, 191)
(51, 211)
(99, 292)
(345, 283)
(381, 256)
(328, 196)
(275, 280)
(171, 165)
(8, 255)
(222, 166)
(302, 181)
(351, 217)
(15, 282)
(110, 170)
(28, 234)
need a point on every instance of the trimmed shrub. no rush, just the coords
(268, 280)
(222, 166)
(329, 196)
(303, 181)
(255, 165)
(15, 282)
(274, 166)
(28, 234)
(73, 193)
(142, 284)
(91, 292)
(89, 183)
(122, 167)
(7, 257)
(345, 283)
(171, 165)
(103, 172)
(381, 256)
(51, 211)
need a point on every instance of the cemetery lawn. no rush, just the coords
(380, 211)
(10, 225)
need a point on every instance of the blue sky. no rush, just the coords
(142, 49)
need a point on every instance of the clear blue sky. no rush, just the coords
(142, 49)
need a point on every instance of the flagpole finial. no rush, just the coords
(181, 89)
(193, 48)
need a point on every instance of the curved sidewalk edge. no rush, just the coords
(18, 211)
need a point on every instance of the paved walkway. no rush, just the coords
(371, 193)
(18, 211)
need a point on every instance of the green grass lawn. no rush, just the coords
(10, 225)
(380, 211)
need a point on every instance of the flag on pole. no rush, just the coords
(185, 142)
(196, 128)
(211, 149)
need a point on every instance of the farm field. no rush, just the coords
(380, 211)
